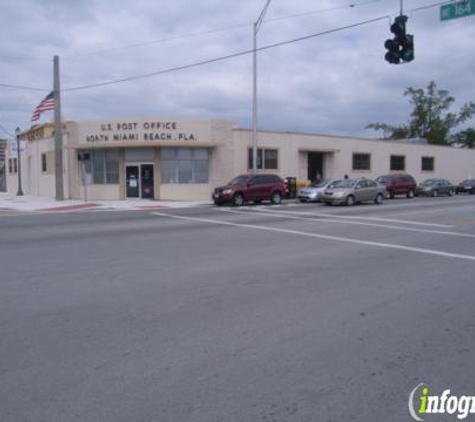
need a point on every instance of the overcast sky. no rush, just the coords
(330, 84)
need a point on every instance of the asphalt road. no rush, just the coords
(269, 313)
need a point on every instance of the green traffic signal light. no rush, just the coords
(407, 51)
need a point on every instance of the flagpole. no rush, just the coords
(58, 133)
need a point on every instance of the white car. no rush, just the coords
(314, 192)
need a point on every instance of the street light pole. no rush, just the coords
(17, 133)
(256, 28)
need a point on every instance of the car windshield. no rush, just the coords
(345, 183)
(240, 180)
(333, 184)
(429, 182)
(382, 179)
(319, 184)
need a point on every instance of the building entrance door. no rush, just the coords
(139, 181)
(146, 180)
(315, 165)
(132, 182)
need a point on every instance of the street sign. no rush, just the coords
(457, 10)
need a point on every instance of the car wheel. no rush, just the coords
(276, 198)
(410, 194)
(379, 199)
(238, 199)
(350, 200)
(435, 193)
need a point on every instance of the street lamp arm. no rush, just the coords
(258, 23)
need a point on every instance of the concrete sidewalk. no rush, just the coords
(9, 202)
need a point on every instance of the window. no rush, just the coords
(267, 159)
(112, 166)
(184, 165)
(98, 159)
(427, 164)
(361, 161)
(250, 164)
(15, 165)
(397, 163)
(103, 166)
(270, 159)
(44, 166)
(10, 165)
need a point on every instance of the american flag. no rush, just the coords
(46, 104)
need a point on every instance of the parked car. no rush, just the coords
(352, 191)
(250, 187)
(398, 184)
(314, 192)
(466, 186)
(435, 187)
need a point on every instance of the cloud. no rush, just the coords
(335, 83)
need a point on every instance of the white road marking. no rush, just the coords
(356, 223)
(320, 236)
(394, 204)
(462, 207)
(354, 217)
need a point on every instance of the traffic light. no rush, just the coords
(401, 47)
(407, 52)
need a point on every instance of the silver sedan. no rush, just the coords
(352, 191)
(314, 192)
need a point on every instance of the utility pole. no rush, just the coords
(257, 25)
(18, 149)
(58, 133)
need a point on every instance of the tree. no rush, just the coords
(431, 118)
(466, 138)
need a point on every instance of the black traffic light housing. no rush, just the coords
(401, 47)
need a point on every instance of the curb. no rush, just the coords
(70, 207)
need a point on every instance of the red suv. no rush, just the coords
(250, 187)
(398, 184)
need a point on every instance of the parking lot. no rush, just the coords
(291, 312)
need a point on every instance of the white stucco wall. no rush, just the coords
(450, 163)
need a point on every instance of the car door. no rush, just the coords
(252, 188)
(443, 187)
(267, 186)
(361, 191)
(401, 185)
(373, 189)
(448, 187)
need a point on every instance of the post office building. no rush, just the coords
(185, 159)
